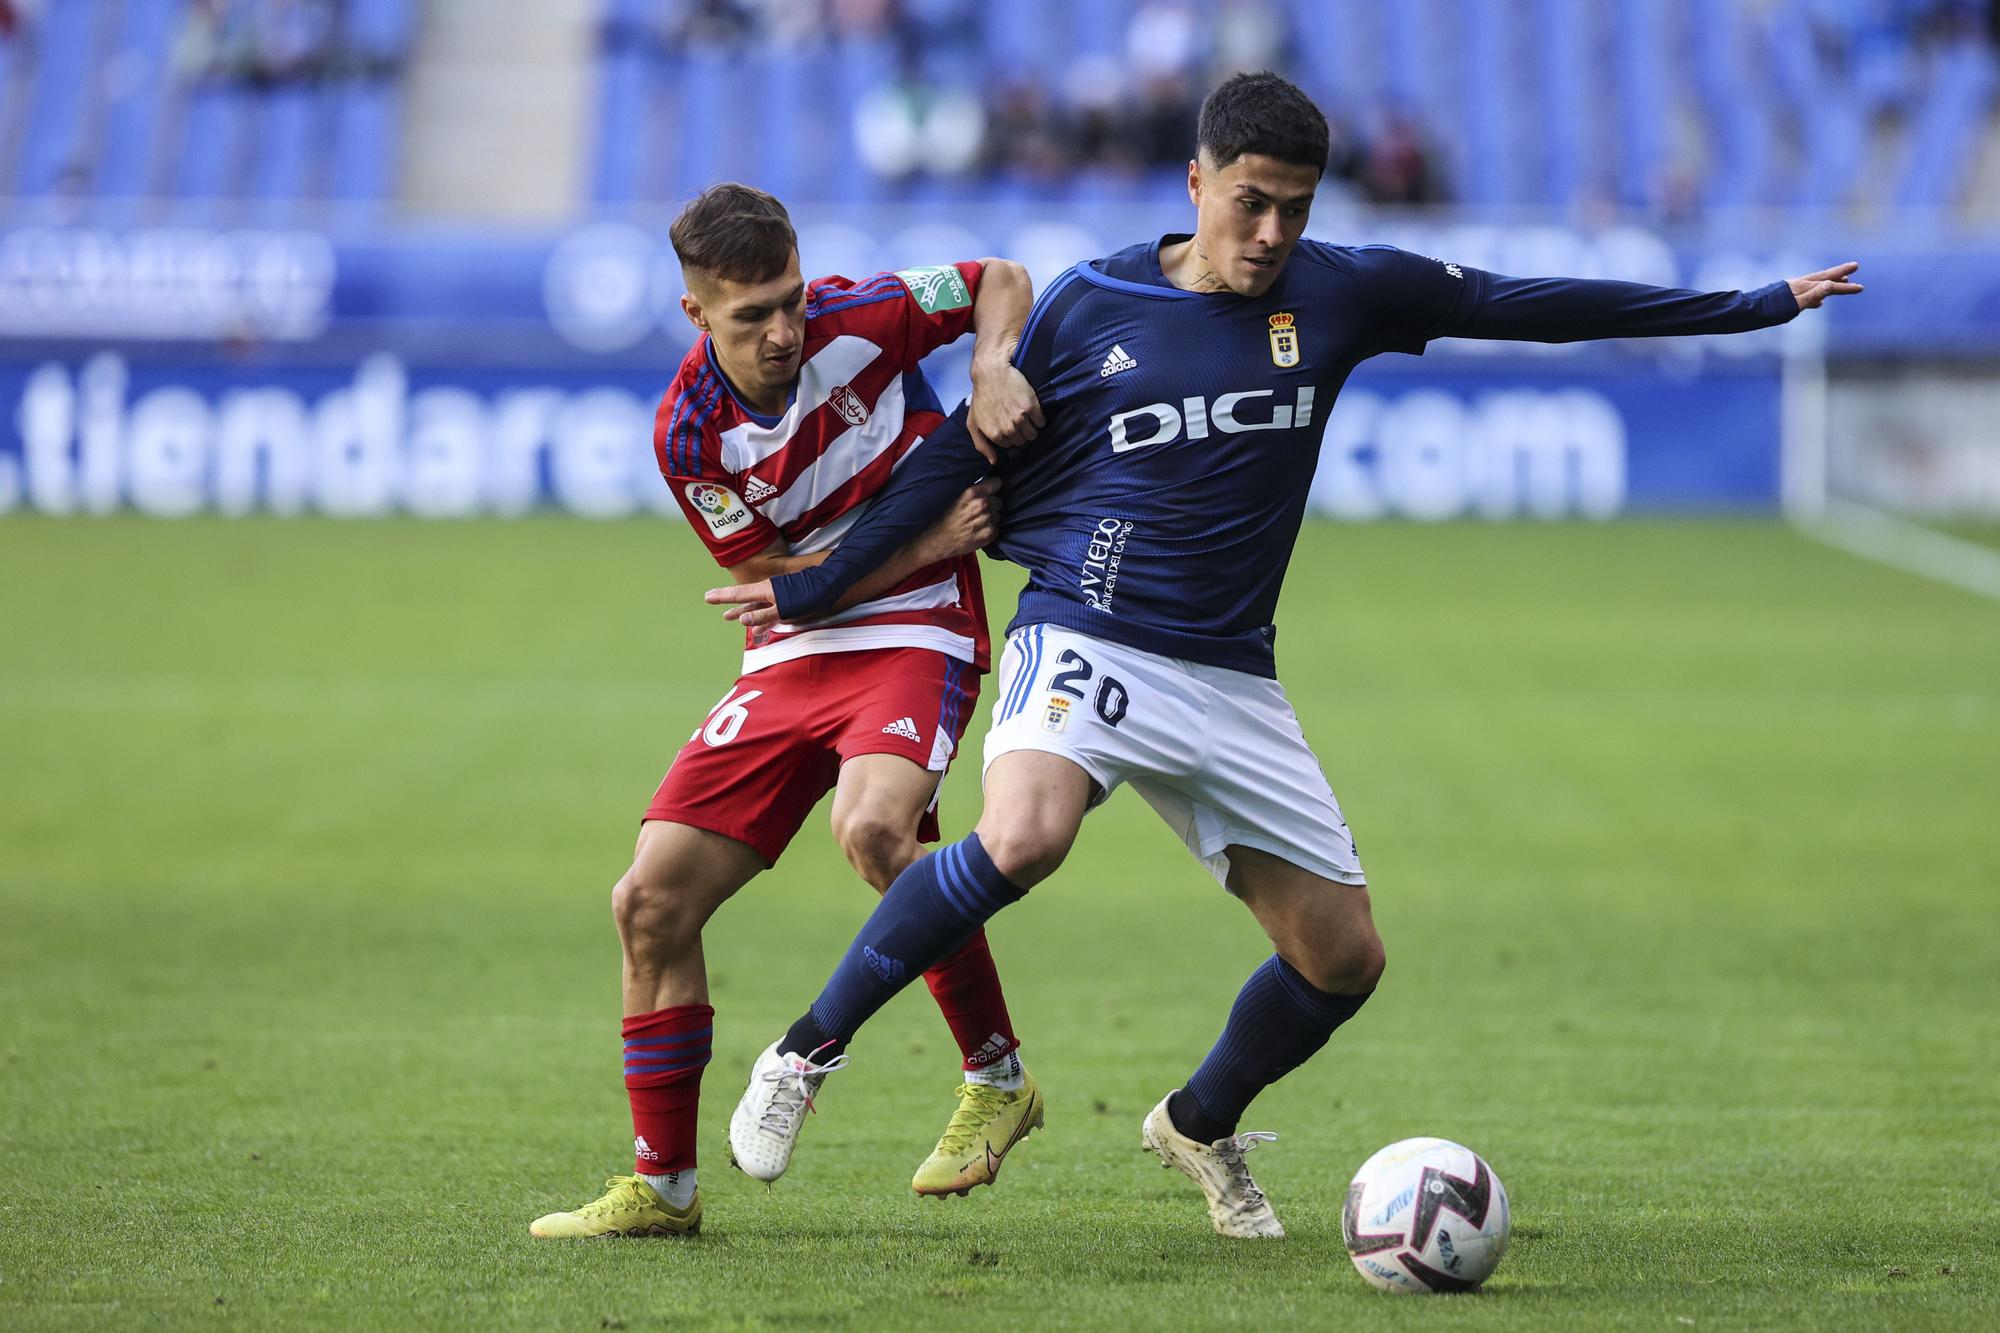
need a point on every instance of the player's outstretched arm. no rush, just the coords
(923, 489)
(1560, 310)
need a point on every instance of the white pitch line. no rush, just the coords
(1911, 547)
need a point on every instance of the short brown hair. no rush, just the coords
(733, 231)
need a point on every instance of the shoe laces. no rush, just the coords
(1230, 1153)
(978, 1103)
(793, 1095)
(621, 1194)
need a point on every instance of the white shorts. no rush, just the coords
(1217, 753)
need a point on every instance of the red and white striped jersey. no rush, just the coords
(859, 407)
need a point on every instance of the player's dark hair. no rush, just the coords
(1262, 113)
(735, 232)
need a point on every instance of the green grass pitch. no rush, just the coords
(1685, 840)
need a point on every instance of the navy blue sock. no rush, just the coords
(931, 910)
(1278, 1021)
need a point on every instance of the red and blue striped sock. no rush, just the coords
(665, 1052)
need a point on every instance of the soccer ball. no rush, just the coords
(1425, 1215)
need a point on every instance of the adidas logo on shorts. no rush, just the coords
(903, 727)
(1117, 361)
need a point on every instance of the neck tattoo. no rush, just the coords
(1205, 279)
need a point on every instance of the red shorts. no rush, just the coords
(775, 743)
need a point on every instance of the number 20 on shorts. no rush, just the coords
(1111, 700)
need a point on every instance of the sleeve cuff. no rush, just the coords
(1776, 303)
(799, 593)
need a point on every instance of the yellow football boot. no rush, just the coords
(987, 1123)
(629, 1208)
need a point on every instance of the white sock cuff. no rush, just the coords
(1004, 1073)
(676, 1187)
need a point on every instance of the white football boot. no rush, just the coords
(1235, 1204)
(766, 1123)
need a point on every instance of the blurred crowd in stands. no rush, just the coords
(950, 108)
(283, 104)
(1666, 108)
(268, 42)
(956, 106)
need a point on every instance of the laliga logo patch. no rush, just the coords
(719, 506)
(1057, 715)
(1284, 340)
(848, 403)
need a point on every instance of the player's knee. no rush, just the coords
(1349, 965)
(655, 912)
(876, 847)
(1027, 850)
(1369, 962)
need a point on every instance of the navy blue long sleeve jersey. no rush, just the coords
(1159, 506)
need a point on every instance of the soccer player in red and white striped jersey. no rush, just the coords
(787, 416)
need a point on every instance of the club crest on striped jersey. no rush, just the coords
(848, 403)
(1284, 340)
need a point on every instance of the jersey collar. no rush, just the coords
(1156, 283)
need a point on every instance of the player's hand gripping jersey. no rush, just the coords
(1160, 504)
(860, 405)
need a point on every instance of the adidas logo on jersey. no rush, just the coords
(903, 727)
(758, 490)
(1117, 361)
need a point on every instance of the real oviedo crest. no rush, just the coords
(1284, 340)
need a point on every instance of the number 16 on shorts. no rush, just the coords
(726, 719)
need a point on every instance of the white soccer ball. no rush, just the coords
(1425, 1215)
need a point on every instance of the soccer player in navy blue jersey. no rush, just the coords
(1186, 383)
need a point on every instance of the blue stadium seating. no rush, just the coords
(1491, 171)
(289, 132)
(378, 28)
(102, 116)
(1946, 134)
(1565, 111)
(1341, 50)
(365, 156)
(1523, 103)
(53, 146)
(125, 151)
(1729, 84)
(625, 73)
(1649, 105)
(213, 119)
